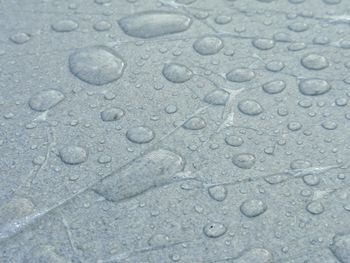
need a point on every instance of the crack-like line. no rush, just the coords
(28, 181)
(125, 255)
(69, 233)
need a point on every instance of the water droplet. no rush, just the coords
(64, 26)
(294, 126)
(112, 114)
(45, 99)
(20, 38)
(315, 207)
(170, 109)
(140, 134)
(298, 27)
(255, 255)
(332, 2)
(314, 62)
(214, 229)
(244, 160)
(263, 43)
(250, 107)
(321, 40)
(154, 169)
(208, 45)
(274, 87)
(73, 154)
(299, 164)
(102, 2)
(217, 97)
(102, 26)
(223, 19)
(234, 141)
(240, 75)
(253, 207)
(104, 159)
(276, 178)
(96, 65)
(177, 73)
(275, 66)
(314, 87)
(218, 192)
(297, 46)
(195, 123)
(185, 2)
(150, 24)
(340, 247)
(341, 102)
(329, 125)
(311, 179)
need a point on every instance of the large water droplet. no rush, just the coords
(341, 247)
(214, 229)
(263, 43)
(250, 107)
(240, 75)
(314, 87)
(255, 255)
(208, 45)
(177, 73)
(64, 26)
(314, 62)
(73, 154)
(244, 160)
(315, 207)
(253, 207)
(96, 65)
(274, 87)
(195, 123)
(218, 192)
(112, 114)
(140, 134)
(217, 97)
(154, 23)
(45, 99)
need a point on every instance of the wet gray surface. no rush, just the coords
(175, 131)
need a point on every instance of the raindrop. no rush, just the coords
(217, 97)
(96, 65)
(64, 26)
(177, 73)
(315, 207)
(45, 99)
(150, 24)
(274, 87)
(234, 141)
(218, 192)
(214, 229)
(20, 38)
(195, 123)
(250, 107)
(263, 43)
(208, 45)
(112, 114)
(73, 154)
(244, 160)
(140, 134)
(240, 75)
(314, 87)
(314, 62)
(253, 207)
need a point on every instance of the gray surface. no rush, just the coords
(175, 131)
